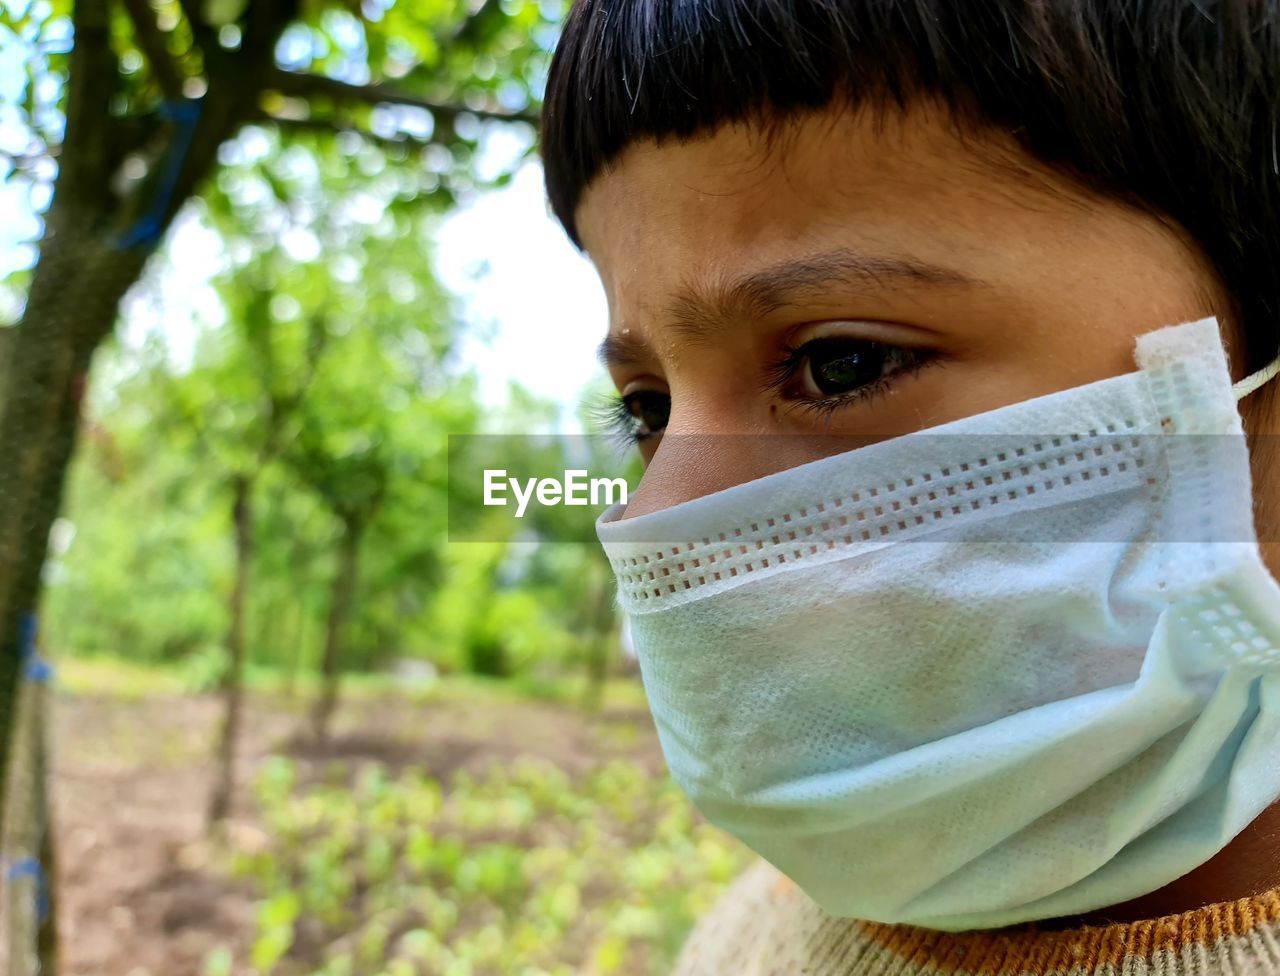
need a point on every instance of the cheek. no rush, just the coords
(683, 467)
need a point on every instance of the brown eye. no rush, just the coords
(834, 366)
(647, 412)
(831, 372)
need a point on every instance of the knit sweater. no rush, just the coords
(765, 926)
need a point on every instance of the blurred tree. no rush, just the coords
(352, 480)
(350, 451)
(357, 311)
(238, 407)
(126, 106)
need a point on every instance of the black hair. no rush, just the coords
(1169, 105)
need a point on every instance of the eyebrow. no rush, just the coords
(703, 306)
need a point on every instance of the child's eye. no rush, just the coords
(639, 415)
(649, 412)
(835, 366)
(831, 371)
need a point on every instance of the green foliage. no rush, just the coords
(204, 671)
(146, 586)
(326, 380)
(149, 555)
(518, 870)
(326, 374)
(481, 628)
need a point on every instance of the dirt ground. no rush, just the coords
(139, 890)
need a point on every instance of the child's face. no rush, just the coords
(745, 282)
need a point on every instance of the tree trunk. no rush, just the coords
(299, 639)
(72, 306)
(47, 929)
(296, 631)
(340, 601)
(93, 249)
(28, 842)
(6, 356)
(47, 935)
(233, 679)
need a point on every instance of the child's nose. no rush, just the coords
(689, 465)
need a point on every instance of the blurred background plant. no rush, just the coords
(296, 729)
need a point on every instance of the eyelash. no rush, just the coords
(615, 415)
(784, 371)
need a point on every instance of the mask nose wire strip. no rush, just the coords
(1253, 381)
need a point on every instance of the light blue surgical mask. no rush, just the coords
(1021, 666)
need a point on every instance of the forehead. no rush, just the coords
(888, 184)
(755, 181)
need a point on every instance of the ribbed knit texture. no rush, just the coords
(765, 926)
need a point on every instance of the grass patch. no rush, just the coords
(117, 677)
(112, 677)
(520, 870)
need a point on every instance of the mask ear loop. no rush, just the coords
(1254, 380)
